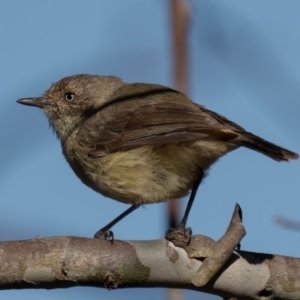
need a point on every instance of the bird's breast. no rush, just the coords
(148, 174)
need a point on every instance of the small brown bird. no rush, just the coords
(140, 143)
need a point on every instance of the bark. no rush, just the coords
(204, 265)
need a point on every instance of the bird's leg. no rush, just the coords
(105, 232)
(181, 232)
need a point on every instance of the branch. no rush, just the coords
(74, 261)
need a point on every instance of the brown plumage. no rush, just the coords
(170, 123)
(140, 143)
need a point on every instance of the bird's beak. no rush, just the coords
(38, 102)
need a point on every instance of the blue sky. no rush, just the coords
(244, 64)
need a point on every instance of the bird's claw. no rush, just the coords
(180, 236)
(106, 235)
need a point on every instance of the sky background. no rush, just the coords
(244, 64)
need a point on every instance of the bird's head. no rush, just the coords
(70, 101)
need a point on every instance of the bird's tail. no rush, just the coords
(256, 143)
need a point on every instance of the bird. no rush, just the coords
(140, 143)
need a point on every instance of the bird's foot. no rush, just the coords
(180, 236)
(104, 234)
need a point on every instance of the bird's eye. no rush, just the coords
(69, 97)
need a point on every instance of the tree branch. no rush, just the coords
(74, 261)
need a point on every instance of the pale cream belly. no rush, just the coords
(149, 174)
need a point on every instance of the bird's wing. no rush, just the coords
(153, 124)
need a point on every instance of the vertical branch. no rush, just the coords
(180, 16)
